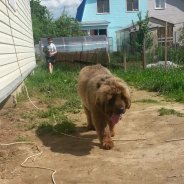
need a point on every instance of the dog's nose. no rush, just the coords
(120, 110)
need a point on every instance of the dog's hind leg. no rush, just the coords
(90, 125)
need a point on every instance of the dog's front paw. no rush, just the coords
(107, 144)
(112, 133)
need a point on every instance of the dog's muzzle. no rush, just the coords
(115, 118)
(119, 111)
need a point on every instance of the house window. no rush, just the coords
(12, 4)
(132, 5)
(160, 4)
(103, 6)
(98, 32)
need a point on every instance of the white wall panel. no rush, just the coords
(8, 69)
(4, 28)
(6, 49)
(6, 80)
(6, 39)
(7, 58)
(16, 45)
(22, 56)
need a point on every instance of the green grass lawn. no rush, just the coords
(63, 83)
(58, 91)
(168, 82)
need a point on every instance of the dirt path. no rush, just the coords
(147, 159)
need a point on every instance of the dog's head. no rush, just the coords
(114, 97)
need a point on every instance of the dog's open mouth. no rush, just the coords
(115, 118)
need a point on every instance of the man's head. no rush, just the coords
(49, 39)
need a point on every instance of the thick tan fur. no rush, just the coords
(102, 94)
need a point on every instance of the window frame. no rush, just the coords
(133, 10)
(103, 12)
(160, 7)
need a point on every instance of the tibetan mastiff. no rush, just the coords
(104, 98)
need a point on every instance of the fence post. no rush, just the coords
(124, 61)
(165, 44)
(144, 54)
(175, 40)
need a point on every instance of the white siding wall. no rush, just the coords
(17, 56)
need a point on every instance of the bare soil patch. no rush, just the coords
(141, 154)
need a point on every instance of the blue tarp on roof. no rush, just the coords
(80, 11)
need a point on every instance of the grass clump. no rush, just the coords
(164, 111)
(22, 139)
(71, 106)
(152, 101)
(44, 128)
(63, 125)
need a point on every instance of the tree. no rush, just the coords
(143, 39)
(44, 25)
(41, 20)
(66, 25)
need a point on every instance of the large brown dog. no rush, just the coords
(105, 98)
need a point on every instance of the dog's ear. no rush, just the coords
(103, 94)
(126, 95)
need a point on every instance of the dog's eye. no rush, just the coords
(112, 100)
(122, 97)
(98, 85)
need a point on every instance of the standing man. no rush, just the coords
(50, 52)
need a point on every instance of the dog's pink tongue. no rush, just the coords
(115, 118)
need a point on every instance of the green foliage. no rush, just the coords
(72, 106)
(64, 125)
(177, 55)
(142, 33)
(41, 20)
(66, 26)
(152, 101)
(116, 57)
(44, 128)
(44, 25)
(61, 84)
(160, 53)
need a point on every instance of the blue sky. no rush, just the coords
(56, 6)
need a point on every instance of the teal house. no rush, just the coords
(105, 17)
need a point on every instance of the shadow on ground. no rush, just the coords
(79, 146)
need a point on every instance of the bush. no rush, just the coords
(177, 55)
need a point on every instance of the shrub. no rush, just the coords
(177, 55)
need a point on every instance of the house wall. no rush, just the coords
(17, 56)
(118, 16)
(174, 12)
